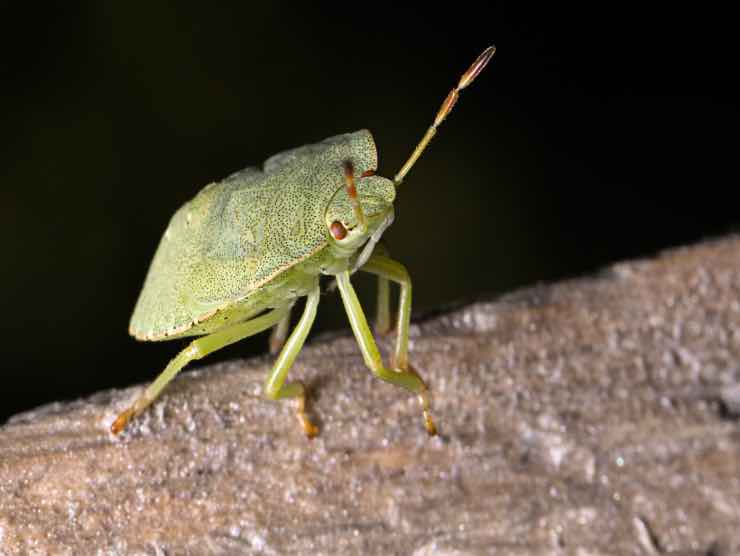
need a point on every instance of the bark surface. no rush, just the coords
(596, 416)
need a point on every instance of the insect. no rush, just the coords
(234, 260)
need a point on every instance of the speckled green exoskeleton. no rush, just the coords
(235, 259)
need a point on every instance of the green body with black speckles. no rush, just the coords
(258, 239)
(233, 261)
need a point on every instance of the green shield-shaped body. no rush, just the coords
(240, 234)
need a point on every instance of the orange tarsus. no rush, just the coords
(121, 421)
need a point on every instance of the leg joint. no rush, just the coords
(270, 392)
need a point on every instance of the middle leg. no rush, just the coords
(383, 324)
(275, 387)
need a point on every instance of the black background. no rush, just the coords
(593, 136)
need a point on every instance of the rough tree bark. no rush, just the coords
(597, 416)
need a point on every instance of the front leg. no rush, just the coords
(399, 376)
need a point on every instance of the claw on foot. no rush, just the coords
(428, 422)
(423, 395)
(309, 428)
(122, 420)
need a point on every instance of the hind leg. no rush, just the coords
(198, 349)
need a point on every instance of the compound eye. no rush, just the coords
(337, 229)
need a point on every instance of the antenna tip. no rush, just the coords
(477, 67)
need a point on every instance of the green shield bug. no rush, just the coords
(235, 259)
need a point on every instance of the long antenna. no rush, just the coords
(466, 79)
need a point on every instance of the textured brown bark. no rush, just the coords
(597, 416)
